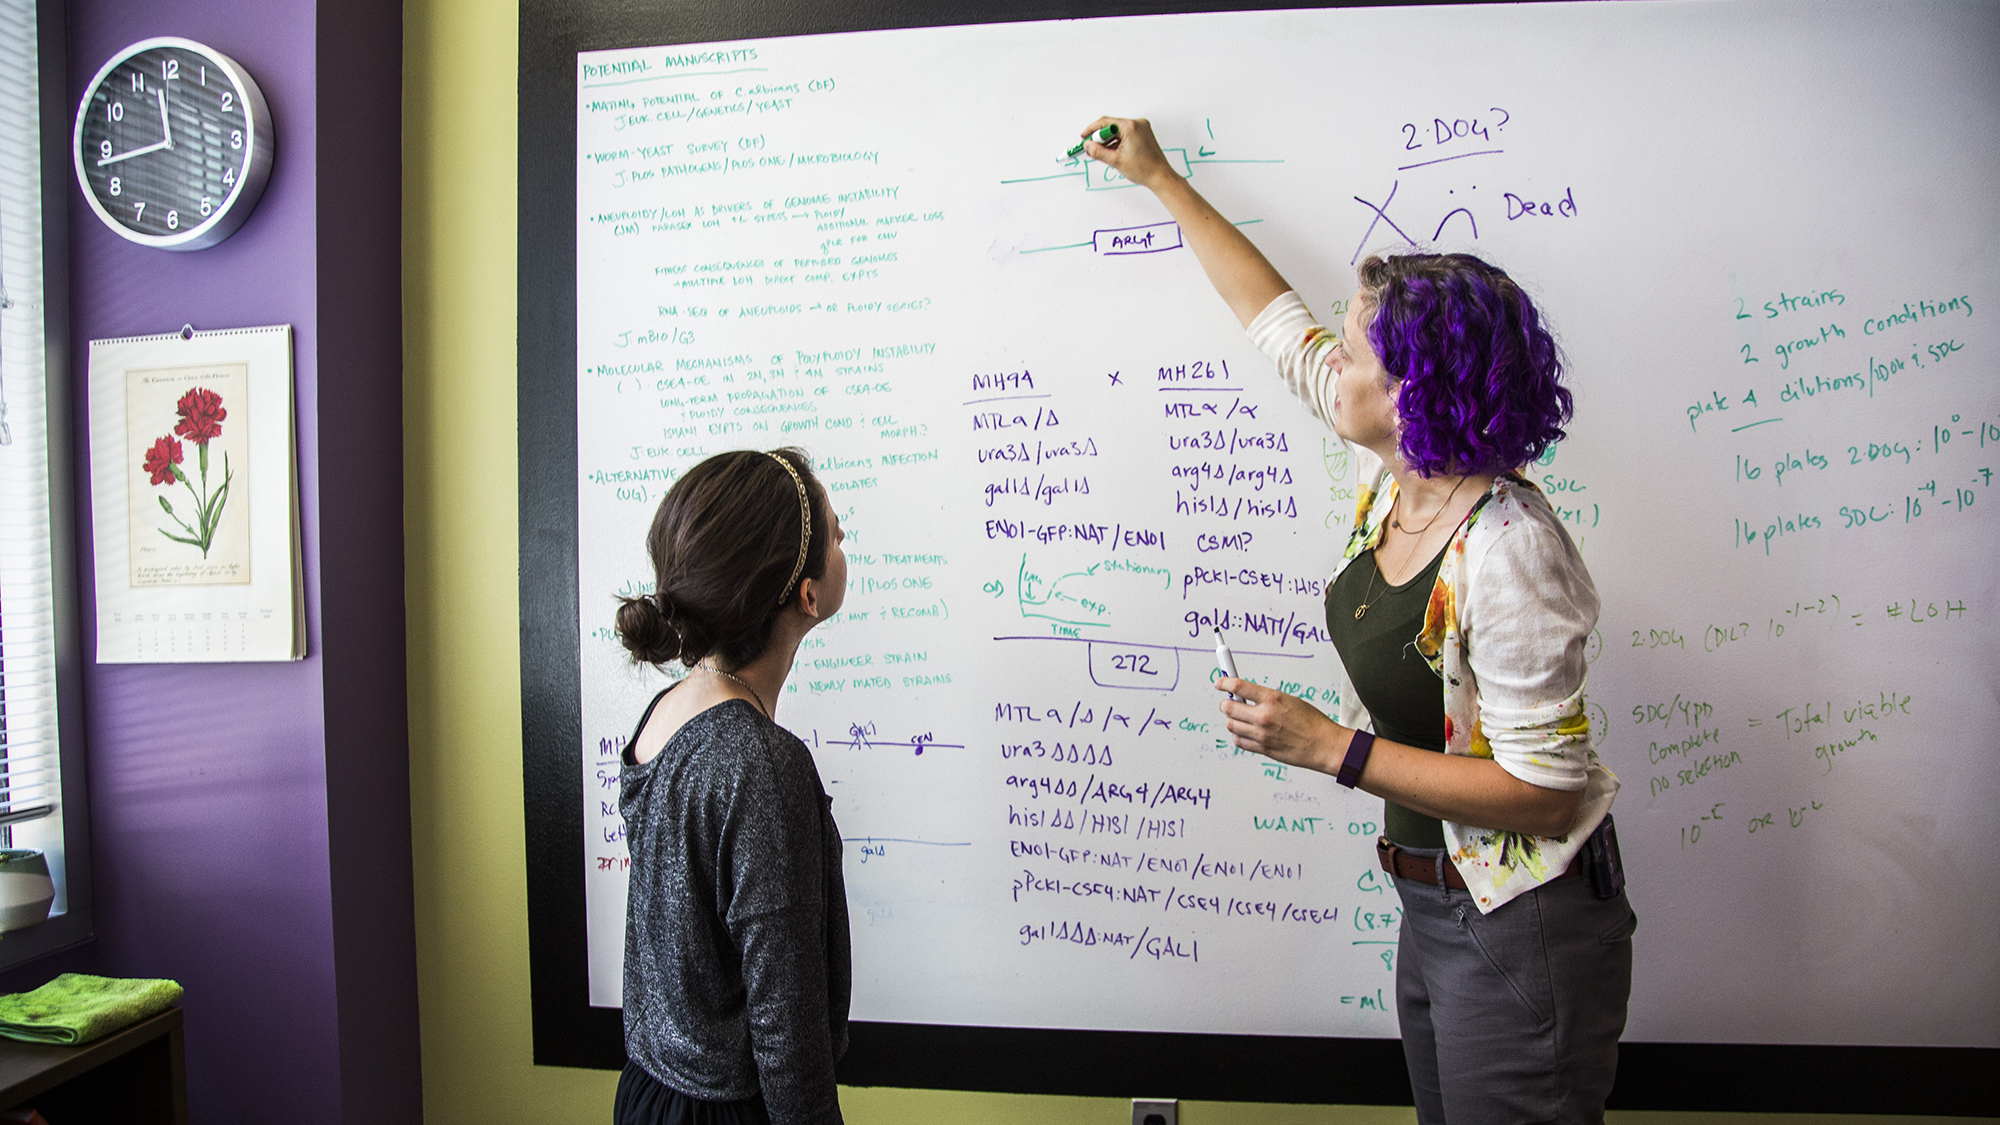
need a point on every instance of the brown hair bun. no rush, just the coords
(725, 542)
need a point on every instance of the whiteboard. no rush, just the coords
(1766, 236)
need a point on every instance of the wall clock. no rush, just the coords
(173, 144)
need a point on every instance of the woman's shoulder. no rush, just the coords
(1517, 520)
(1519, 529)
(731, 738)
(737, 728)
(1515, 504)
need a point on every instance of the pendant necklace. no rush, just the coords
(1368, 595)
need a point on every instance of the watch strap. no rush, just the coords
(1357, 758)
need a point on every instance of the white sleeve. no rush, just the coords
(1301, 347)
(1527, 621)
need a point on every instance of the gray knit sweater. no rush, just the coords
(737, 974)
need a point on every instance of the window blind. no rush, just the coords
(30, 763)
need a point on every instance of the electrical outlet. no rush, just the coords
(1156, 1111)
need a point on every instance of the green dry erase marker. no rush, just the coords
(1104, 136)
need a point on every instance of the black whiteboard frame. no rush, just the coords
(1291, 1069)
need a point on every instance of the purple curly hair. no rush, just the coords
(1481, 378)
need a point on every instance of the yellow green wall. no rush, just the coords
(465, 702)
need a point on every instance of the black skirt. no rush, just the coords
(645, 1100)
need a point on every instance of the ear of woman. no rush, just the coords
(821, 597)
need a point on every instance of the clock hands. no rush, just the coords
(155, 147)
(165, 127)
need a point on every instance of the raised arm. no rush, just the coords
(1237, 269)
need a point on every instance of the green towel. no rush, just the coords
(76, 1008)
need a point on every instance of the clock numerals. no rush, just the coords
(117, 187)
(138, 82)
(228, 101)
(115, 111)
(170, 68)
(206, 206)
(236, 138)
(140, 213)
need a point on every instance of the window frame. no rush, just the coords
(75, 926)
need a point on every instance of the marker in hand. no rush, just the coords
(1107, 136)
(1226, 660)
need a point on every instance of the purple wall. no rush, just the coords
(250, 822)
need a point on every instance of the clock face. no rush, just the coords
(173, 144)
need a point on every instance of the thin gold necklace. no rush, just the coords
(766, 711)
(1398, 524)
(1368, 595)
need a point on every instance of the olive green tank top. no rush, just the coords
(1403, 696)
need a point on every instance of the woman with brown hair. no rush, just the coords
(737, 974)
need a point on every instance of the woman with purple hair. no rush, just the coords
(1460, 610)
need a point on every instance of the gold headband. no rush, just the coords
(805, 526)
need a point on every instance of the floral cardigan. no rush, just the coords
(1505, 631)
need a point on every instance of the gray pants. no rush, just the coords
(1514, 1016)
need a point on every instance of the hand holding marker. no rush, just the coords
(1226, 660)
(1107, 136)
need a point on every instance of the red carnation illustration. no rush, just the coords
(163, 461)
(201, 416)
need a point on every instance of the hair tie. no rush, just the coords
(805, 526)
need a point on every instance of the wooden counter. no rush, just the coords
(135, 1075)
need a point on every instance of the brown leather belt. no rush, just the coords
(1424, 871)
